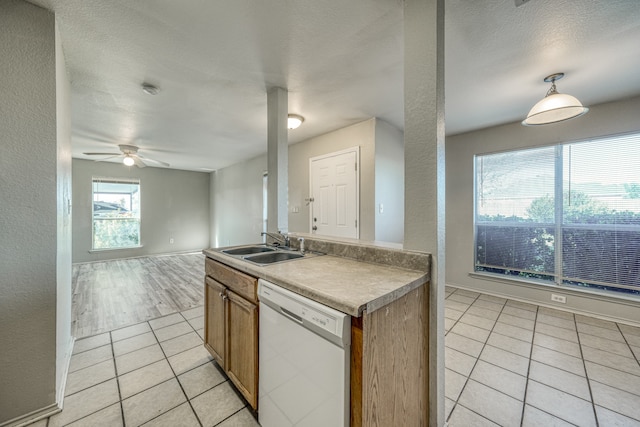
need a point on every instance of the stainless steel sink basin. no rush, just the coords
(263, 255)
(271, 257)
(248, 250)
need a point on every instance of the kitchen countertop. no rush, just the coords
(364, 277)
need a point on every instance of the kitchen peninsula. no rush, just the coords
(383, 290)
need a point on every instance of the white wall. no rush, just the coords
(389, 176)
(236, 203)
(361, 134)
(173, 204)
(64, 341)
(605, 119)
(32, 232)
(236, 191)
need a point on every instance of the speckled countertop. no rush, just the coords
(352, 277)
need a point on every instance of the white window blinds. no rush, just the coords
(568, 213)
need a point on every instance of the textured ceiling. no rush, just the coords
(341, 62)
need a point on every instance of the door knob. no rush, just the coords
(314, 228)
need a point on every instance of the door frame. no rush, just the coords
(354, 149)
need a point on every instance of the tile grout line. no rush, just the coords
(586, 374)
(478, 359)
(176, 378)
(117, 375)
(97, 384)
(226, 380)
(476, 363)
(157, 341)
(580, 345)
(455, 403)
(117, 378)
(555, 367)
(624, 337)
(225, 419)
(526, 384)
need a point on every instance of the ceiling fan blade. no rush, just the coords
(146, 159)
(138, 162)
(101, 154)
(107, 158)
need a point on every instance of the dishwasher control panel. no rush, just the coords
(326, 321)
(323, 321)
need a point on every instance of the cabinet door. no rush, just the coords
(214, 320)
(242, 346)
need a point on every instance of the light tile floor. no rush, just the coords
(154, 373)
(513, 364)
(507, 364)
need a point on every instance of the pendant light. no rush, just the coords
(294, 121)
(554, 107)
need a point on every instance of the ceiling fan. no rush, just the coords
(130, 156)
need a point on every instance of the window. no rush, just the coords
(116, 213)
(567, 214)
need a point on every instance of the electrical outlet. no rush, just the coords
(559, 298)
(171, 241)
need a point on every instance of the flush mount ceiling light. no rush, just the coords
(150, 89)
(294, 121)
(554, 107)
(128, 160)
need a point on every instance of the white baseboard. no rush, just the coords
(63, 384)
(574, 310)
(47, 411)
(32, 417)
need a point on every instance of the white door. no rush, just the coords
(334, 194)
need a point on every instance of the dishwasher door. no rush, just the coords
(304, 361)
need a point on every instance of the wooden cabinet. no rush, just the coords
(231, 325)
(390, 364)
(242, 346)
(214, 320)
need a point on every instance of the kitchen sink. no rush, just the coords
(271, 257)
(248, 250)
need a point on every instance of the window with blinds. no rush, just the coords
(566, 214)
(115, 213)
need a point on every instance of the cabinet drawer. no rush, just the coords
(238, 282)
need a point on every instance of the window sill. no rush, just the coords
(115, 249)
(565, 289)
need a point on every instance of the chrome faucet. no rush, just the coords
(280, 237)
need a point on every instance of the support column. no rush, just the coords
(278, 160)
(424, 228)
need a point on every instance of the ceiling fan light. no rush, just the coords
(128, 160)
(294, 121)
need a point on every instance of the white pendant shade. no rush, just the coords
(294, 121)
(554, 108)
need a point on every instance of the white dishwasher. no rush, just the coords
(304, 361)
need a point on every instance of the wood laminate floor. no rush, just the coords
(111, 294)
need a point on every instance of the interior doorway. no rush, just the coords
(334, 194)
